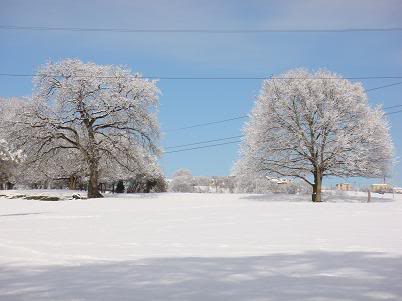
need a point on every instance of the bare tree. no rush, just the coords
(309, 126)
(98, 116)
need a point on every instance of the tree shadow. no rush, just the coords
(359, 276)
(22, 214)
(137, 195)
(343, 197)
(354, 199)
(326, 197)
(278, 197)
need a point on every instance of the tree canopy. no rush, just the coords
(87, 118)
(310, 125)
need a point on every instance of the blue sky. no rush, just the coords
(188, 102)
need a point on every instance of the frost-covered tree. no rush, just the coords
(63, 167)
(182, 181)
(262, 184)
(9, 159)
(8, 165)
(312, 125)
(100, 117)
(120, 187)
(149, 181)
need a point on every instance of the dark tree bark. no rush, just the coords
(316, 196)
(93, 187)
(72, 183)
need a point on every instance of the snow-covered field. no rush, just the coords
(201, 247)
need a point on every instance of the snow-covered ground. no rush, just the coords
(201, 247)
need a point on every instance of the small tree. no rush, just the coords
(120, 187)
(147, 183)
(312, 125)
(9, 159)
(103, 116)
(182, 181)
(8, 166)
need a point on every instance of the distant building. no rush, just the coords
(278, 181)
(381, 188)
(397, 189)
(214, 184)
(344, 186)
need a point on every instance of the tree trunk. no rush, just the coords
(93, 188)
(72, 183)
(316, 196)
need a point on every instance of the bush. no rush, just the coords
(146, 184)
(183, 181)
(120, 187)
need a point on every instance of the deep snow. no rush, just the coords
(201, 247)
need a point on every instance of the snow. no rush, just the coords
(178, 246)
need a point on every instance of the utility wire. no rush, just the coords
(395, 112)
(385, 86)
(202, 30)
(198, 147)
(205, 141)
(223, 78)
(207, 77)
(245, 116)
(391, 107)
(232, 142)
(207, 123)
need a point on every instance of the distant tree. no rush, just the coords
(8, 165)
(182, 181)
(202, 184)
(120, 187)
(146, 183)
(256, 184)
(64, 167)
(158, 184)
(103, 118)
(312, 125)
(202, 180)
(9, 159)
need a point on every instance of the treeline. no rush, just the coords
(184, 181)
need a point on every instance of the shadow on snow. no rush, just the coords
(326, 197)
(358, 276)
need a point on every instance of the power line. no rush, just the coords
(232, 142)
(202, 30)
(198, 147)
(395, 112)
(245, 116)
(224, 78)
(205, 141)
(385, 86)
(207, 123)
(208, 77)
(391, 107)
